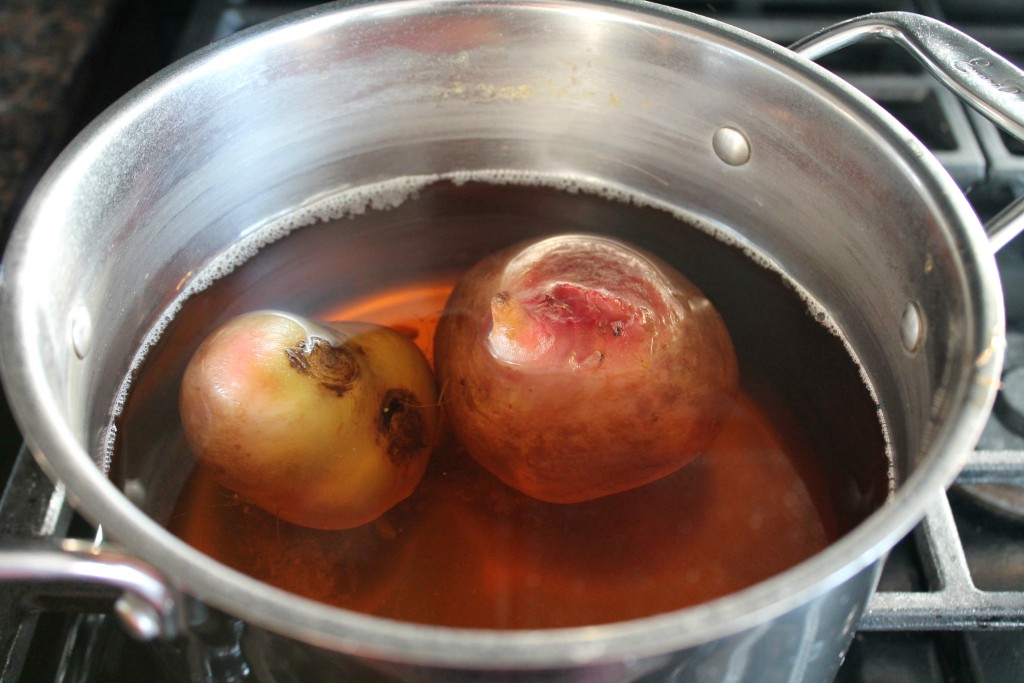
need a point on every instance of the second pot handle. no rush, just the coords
(148, 606)
(979, 76)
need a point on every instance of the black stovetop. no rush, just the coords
(133, 38)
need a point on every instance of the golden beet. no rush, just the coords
(578, 366)
(324, 425)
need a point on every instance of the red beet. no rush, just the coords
(324, 425)
(578, 366)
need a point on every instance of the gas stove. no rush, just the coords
(951, 602)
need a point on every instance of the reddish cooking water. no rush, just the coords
(467, 551)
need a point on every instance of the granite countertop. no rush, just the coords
(43, 45)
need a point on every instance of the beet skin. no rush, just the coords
(577, 366)
(325, 425)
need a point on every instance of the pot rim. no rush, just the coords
(37, 413)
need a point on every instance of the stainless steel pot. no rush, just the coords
(786, 159)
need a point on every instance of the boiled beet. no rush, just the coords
(324, 425)
(578, 366)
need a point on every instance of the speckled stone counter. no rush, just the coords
(43, 44)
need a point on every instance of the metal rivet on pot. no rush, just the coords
(731, 146)
(138, 618)
(912, 327)
(81, 331)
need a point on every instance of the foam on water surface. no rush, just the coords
(392, 193)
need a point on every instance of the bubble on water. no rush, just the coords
(335, 206)
(110, 438)
(356, 201)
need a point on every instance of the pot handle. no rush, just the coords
(148, 606)
(976, 74)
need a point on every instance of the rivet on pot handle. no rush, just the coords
(148, 606)
(979, 76)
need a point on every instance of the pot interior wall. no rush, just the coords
(253, 130)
